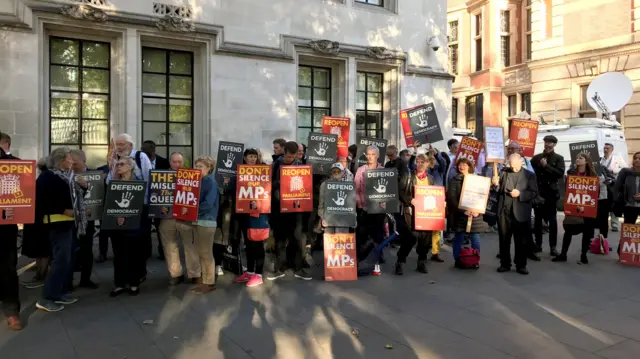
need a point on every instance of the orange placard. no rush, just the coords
(581, 196)
(296, 189)
(429, 208)
(340, 257)
(253, 189)
(525, 133)
(469, 149)
(339, 126)
(186, 199)
(406, 127)
(17, 191)
(630, 245)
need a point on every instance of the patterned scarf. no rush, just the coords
(77, 200)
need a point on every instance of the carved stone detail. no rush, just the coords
(524, 77)
(510, 78)
(518, 77)
(379, 52)
(175, 24)
(84, 12)
(325, 46)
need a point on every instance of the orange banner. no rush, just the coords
(469, 149)
(525, 133)
(581, 196)
(340, 257)
(186, 199)
(296, 189)
(17, 191)
(339, 126)
(253, 189)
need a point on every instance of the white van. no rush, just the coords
(574, 130)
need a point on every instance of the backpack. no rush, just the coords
(138, 161)
(469, 257)
(599, 245)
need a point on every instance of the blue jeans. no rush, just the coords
(61, 238)
(459, 240)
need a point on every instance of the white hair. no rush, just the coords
(126, 137)
(57, 156)
(373, 148)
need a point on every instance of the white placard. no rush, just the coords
(475, 193)
(494, 144)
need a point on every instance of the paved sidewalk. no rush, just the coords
(559, 311)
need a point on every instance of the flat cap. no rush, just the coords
(550, 138)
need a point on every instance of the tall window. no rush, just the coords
(167, 101)
(314, 99)
(525, 102)
(470, 112)
(528, 30)
(512, 103)
(372, 2)
(478, 41)
(453, 47)
(79, 94)
(454, 113)
(585, 108)
(505, 38)
(369, 104)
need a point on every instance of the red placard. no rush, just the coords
(187, 195)
(630, 245)
(17, 191)
(253, 189)
(296, 189)
(340, 257)
(581, 196)
(470, 149)
(340, 127)
(429, 208)
(525, 133)
(406, 127)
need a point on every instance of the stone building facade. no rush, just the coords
(540, 56)
(187, 74)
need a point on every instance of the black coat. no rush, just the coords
(162, 163)
(406, 193)
(7, 229)
(549, 177)
(454, 190)
(528, 188)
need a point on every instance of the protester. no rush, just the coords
(287, 227)
(9, 290)
(574, 225)
(460, 217)
(302, 153)
(549, 169)
(129, 246)
(61, 209)
(255, 231)
(516, 188)
(411, 236)
(278, 148)
(353, 161)
(202, 231)
(392, 154)
(627, 200)
(346, 174)
(84, 256)
(614, 164)
(157, 163)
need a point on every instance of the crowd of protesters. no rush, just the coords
(61, 239)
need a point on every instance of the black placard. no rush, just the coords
(124, 199)
(340, 204)
(424, 124)
(321, 152)
(364, 142)
(590, 147)
(381, 190)
(162, 186)
(229, 157)
(94, 197)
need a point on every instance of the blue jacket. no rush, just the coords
(437, 172)
(209, 199)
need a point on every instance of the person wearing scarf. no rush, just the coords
(59, 206)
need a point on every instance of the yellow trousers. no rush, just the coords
(435, 242)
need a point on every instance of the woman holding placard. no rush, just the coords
(463, 168)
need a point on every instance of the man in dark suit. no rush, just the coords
(157, 162)
(516, 188)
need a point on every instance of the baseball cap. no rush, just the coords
(550, 138)
(337, 165)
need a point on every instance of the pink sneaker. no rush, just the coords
(243, 278)
(255, 281)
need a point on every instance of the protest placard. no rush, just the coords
(321, 152)
(381, 190)
(340, 257)
(253, 189)
(425, 126)
(229, 157)
(475, 192)
(364, 142)
(630, 245)
(494, 144)
(94, 196)
(429, 208)
(339, 126)
(124, 200)
(406, 127)
(296, 189)
(525, 133)
(588, 147)
(581, 196)
(162, 188)
(340, 204)
(187, 195)
(17, 191)
(470, 149)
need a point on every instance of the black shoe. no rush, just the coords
(498, 255)
(399, 268)
(133, 291)
(422, 267)
(537, 248)
(534, 257)
(502, 269)
(302, 274)
(560, 258)
(458, 264)
(176, 280)
(523, 270)
(583, 259)
(87, 284)
(553, 252)
(101, 259)
(436, 258)
(117, 291)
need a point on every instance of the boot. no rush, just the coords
(422, 266)
(399, 268)
(562, 257)
(553, 251)
(436, 258)
(583, 259)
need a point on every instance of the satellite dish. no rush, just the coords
(609, 92)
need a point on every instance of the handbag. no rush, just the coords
(599, 245)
